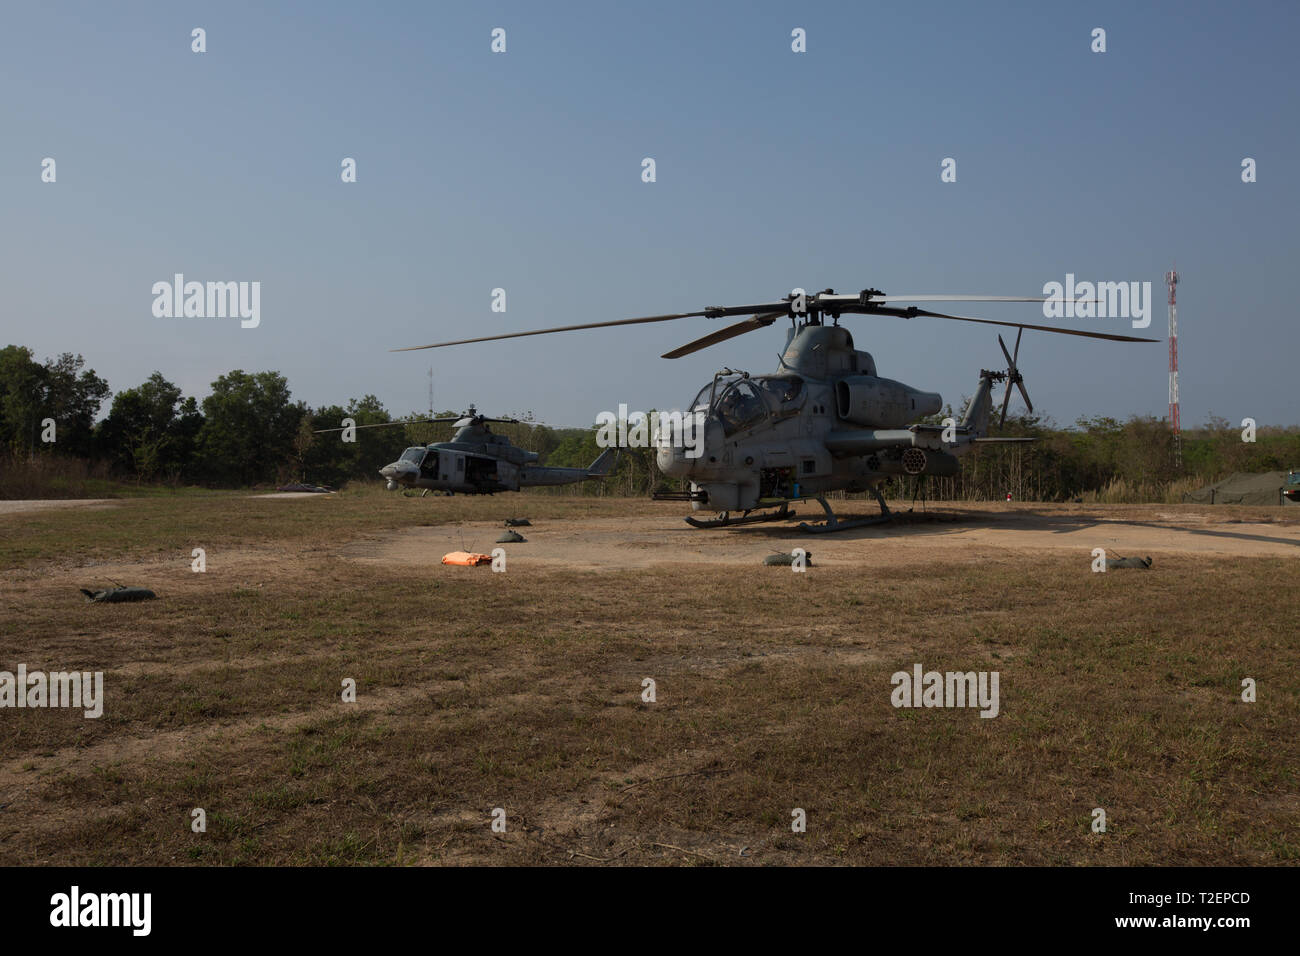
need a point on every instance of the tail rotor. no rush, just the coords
(1013, 377)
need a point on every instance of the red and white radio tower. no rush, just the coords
(1171, 279)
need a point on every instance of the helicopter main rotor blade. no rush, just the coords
(909, 313)
(429, 421)
(867, 302)
(730, 332)
(711, 312)
(478, 418)
(558, 328)
(326, 431)
(829, 299)
(474, 418)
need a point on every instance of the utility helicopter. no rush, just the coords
(824, 420)
(477, 461)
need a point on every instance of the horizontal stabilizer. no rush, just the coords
(931, 429)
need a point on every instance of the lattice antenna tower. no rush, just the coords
(1171, 280)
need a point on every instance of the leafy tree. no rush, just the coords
(188, 425)
(61, 389)
(73, 395)
(249, 427)
(330, 460)
(150, 430)
(21, 389)
(374, 447)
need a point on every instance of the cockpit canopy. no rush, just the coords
(740, 403)
(414, 454)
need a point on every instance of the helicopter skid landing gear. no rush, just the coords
(724, 519)
(835, 524)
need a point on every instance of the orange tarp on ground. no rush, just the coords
(466, 558)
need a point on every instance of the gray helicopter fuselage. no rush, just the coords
(478, 462)
(825, 421)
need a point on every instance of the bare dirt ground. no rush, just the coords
(524, 690)
(22, 507)
(294, 494)
(949, 533)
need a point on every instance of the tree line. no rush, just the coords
(1105, 459)
(248, 431)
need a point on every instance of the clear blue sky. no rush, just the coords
(775, 170)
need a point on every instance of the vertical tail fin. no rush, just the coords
(603, 465)
(976, 416)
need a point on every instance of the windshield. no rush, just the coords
(740, 407)
(415, 454)
(781, 390)
(702, 399)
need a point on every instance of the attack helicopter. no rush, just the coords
(477, 461)
(825, 420)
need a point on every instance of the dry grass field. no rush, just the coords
(522, 690)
